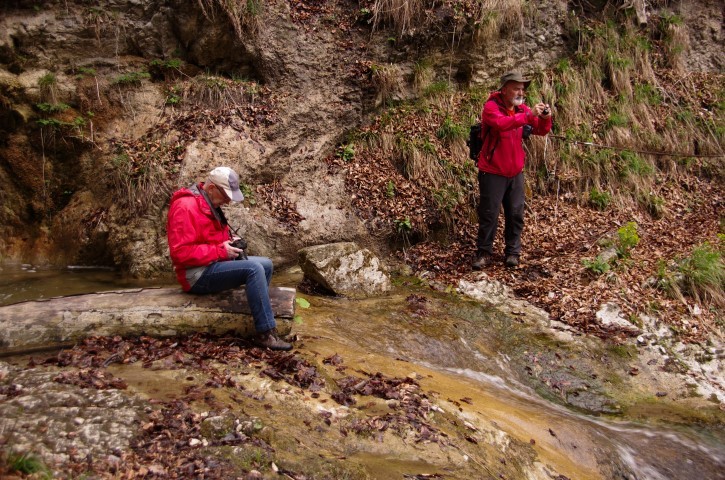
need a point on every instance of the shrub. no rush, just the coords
(654, 204)
(403, 225)
(633, 163)
(437, 88)
(390, 189)
(596, 266)
(627, 239)
(47, 80)
(616, 119)
(52, 107)
(131, 78)
(703, 273)
(28, 464)
(599, 199)
(346, 152)
(450, 130)
(647, 93)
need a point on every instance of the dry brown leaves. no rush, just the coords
(281, 208)
(409, 407)
(170, 437)
(558, 235)
(307, 11)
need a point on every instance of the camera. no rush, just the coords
(545, 111)
(241, 244)
(527, 131)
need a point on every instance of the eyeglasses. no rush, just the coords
(225, 198)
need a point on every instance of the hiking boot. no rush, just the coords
(511, 260)
(483, 260)
(269, 339)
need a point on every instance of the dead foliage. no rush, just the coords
(170, 436)
(282, 209)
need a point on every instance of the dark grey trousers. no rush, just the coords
(495, 191)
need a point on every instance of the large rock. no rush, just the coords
(610, 317)
(345, 269)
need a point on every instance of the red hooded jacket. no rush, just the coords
(195, 232)
(502, 129)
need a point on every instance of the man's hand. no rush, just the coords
(542, 110)
(232, 252)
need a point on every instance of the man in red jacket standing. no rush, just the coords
(204, 258)
(501, 164)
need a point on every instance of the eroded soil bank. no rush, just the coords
(416, 384)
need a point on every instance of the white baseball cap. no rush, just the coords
(227, 179)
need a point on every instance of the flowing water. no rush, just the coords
(459, 350)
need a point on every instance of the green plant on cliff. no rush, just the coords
(403, 227)
(599, 199)
(387, 81)
(480, 19)
(627, 239)
(703, 273)
(139, 172)
(700, 275)
(168, 69)
(597, 266)
(673, 33)
(402, 15)
(51, 108)
(597, 102)
(451, 130)
(130, 78)
(423, 74)
(48, 84)
(216, 92)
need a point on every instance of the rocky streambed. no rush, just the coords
(411, 384)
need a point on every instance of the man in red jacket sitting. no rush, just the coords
(204, 258)
(501, 165)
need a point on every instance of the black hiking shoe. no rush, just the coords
(511, 260)
(483, 260)
(270, 340)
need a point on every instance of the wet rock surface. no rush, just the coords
(345, 269)
(45, 411)
(409, 385)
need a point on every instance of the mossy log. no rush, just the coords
(158, 312)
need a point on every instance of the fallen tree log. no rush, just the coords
(157, 312)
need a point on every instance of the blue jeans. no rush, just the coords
(255, 273)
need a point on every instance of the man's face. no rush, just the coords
(513, 93)
(218, 196)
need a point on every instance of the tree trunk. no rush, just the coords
(158, 312)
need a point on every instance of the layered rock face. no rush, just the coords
(106, 110)
(80, 85)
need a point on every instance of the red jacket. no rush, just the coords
(196, 234)
(502, 152)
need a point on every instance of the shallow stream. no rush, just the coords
(475, 363)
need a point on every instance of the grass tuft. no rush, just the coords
(244, 15)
